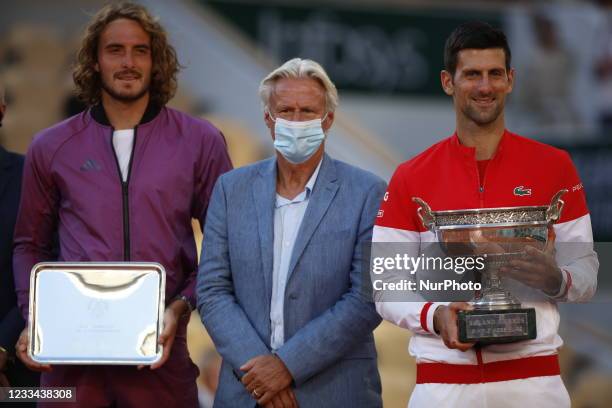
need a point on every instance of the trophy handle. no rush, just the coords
(553, 213)
(425, 214)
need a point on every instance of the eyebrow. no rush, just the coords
(303, 108)
(114, 45)
(477, 70)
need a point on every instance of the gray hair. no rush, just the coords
(299, 68)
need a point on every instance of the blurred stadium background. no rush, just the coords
(385, 57)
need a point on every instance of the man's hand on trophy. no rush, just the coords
(172, 315)
(21, 349)
(537, 268)
(445, 324)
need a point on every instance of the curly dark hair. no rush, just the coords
(165, 63)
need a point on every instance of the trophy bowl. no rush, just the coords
(497, 235)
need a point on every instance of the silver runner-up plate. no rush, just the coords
(96, 313)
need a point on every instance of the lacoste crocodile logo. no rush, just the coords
(522, 191)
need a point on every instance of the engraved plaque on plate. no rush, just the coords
(96, 313)
(501, 326)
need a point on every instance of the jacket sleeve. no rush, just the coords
(574, 241)
(327, 338)
(11, 326)
(36, 221)
(406, 309)
(399, 231)
(577, 260)
(213, 162)
(234, 336)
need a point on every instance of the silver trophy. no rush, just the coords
(498, 235)
(96, 313)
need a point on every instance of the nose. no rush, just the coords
(484, 85)
(128, 60)
(296, 115)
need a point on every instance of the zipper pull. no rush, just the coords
(481, 189)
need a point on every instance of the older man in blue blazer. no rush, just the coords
(283, 289)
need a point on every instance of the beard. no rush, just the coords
(483, 117)
(125, 96)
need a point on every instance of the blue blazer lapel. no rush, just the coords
(264, 196)
(322, 195)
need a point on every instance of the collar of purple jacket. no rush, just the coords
(99, 115)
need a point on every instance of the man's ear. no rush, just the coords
(268, 119)
(328, 122)
(511, 75)
(446, 80)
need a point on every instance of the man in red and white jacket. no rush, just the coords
(483, 165)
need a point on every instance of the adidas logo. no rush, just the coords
(90, 165)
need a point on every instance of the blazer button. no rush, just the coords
(293, 296)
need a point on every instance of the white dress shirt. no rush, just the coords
(288, 215)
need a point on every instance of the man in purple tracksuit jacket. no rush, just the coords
(121, 182)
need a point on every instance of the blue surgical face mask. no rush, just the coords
(298, 141)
